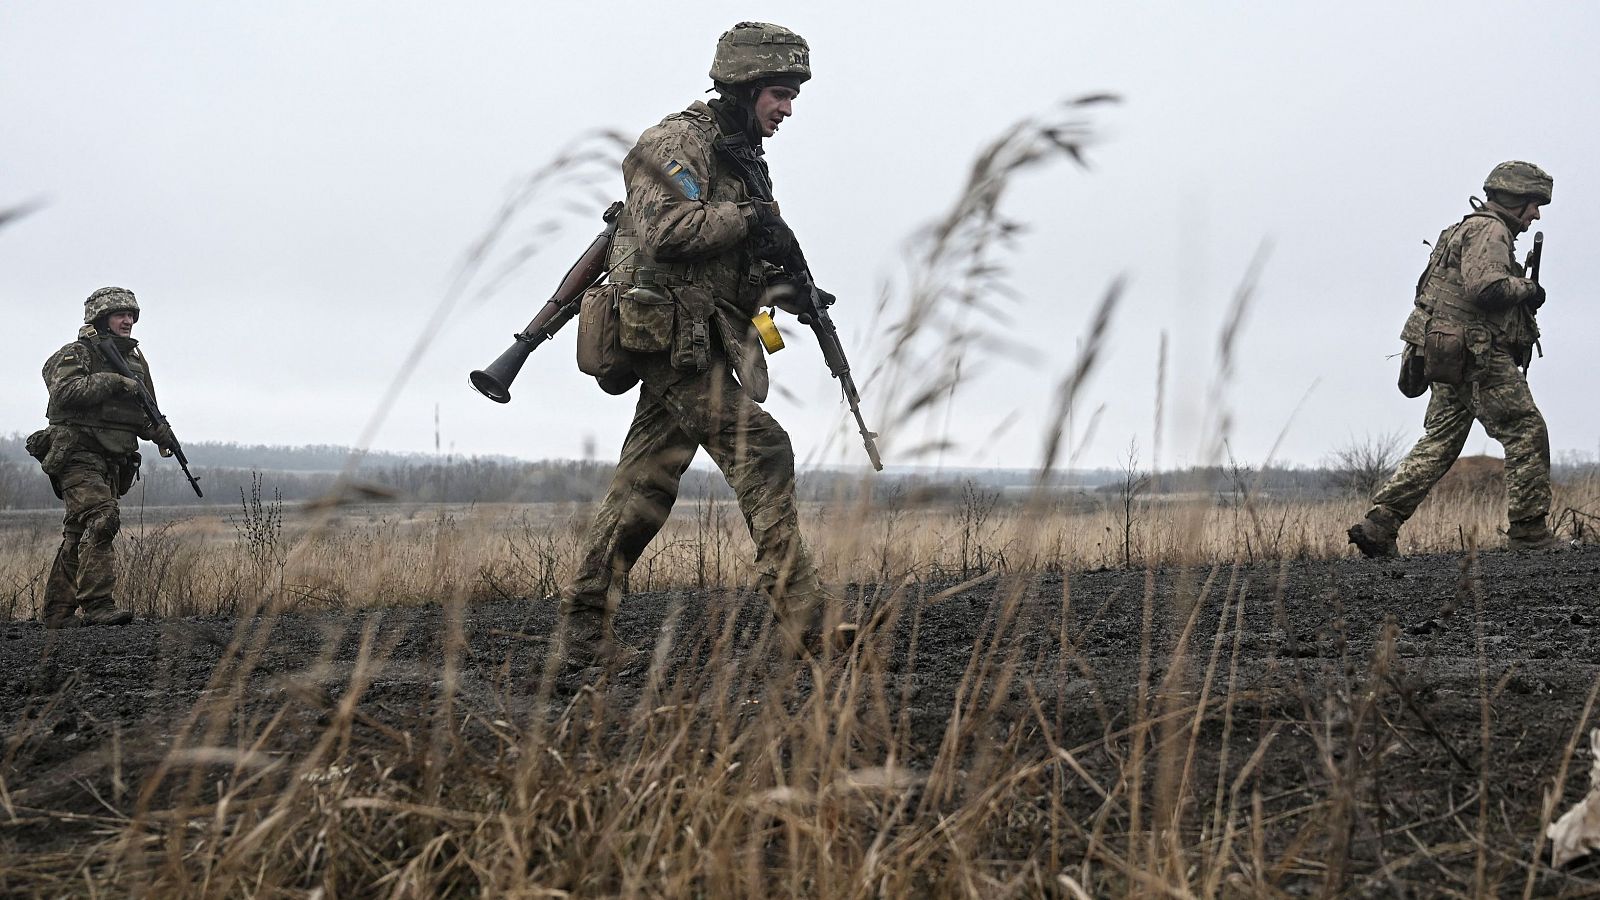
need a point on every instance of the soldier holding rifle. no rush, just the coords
(696, 253)
(101, 404)
(1469, 342)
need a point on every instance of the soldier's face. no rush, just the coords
(121, 323)
(774, 104)
(1528, 215)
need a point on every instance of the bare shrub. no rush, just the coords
(1363, 464)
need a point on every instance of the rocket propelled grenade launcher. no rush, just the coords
(494, 381)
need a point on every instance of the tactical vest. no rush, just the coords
(712, 299)
(731, 277)
(1441, 292)
(119, 412)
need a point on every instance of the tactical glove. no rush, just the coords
(788, 294)
(164, 439)
(771, 239)
(103, 385)
(1536, 299)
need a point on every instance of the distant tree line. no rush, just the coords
(317, 471)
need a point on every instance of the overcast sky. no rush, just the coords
(289, 187)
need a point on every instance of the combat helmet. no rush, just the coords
(108, 300)
(751, 51)
(1523, 179)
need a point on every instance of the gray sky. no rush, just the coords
(289, 186)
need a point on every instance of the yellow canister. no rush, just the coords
(768, 329)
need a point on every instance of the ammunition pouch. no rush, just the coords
(600, 351)
(1413, 379)
(645, 318)
(127, 471)
(51, 447)
(1444, 352)
(38, 444)
(691, 345)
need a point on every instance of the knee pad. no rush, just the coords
(101, 524)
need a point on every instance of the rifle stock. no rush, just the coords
(494, 381)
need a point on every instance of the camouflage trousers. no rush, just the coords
(679, 412)
(85, 568)
(1498, 396)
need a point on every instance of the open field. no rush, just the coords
(1343, 728)
(292, 557)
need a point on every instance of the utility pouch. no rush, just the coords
(691, 345)
(1413, 378)
(599, 351)
(645, 318)
(128, 473)
(56, 445)
(1444, 352)
(38, 444)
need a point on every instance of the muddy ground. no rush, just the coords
(1364, 678)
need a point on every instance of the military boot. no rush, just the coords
(1533, 534)
(803, 628)
(1376, 535)
(103, 611)
(588, 647)
(60, 615)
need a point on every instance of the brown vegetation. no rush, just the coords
(266, 555)
(1195, 716)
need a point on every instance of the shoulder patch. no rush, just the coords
(684, 179)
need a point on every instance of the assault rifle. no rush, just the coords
(112, 355)
(752, 171)
(816, 315)
(1531, 266)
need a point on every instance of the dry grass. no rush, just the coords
(732, 773)
(737, 775)
(286, 558)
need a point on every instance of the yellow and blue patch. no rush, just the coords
(684, 179)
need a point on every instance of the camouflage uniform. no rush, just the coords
(90, 452)
(689, 286)
(1474, 281)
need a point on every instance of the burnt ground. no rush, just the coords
(1366, 681)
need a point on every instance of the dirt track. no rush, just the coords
(86, 713)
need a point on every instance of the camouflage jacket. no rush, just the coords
(100, 414)
(1474, 279)
(684, 235)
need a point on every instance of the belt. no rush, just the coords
(645, 276)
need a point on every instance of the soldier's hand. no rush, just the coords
(785, 293)
(164, 439)
(106, 384)
(1536, 300)
(772, 240)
